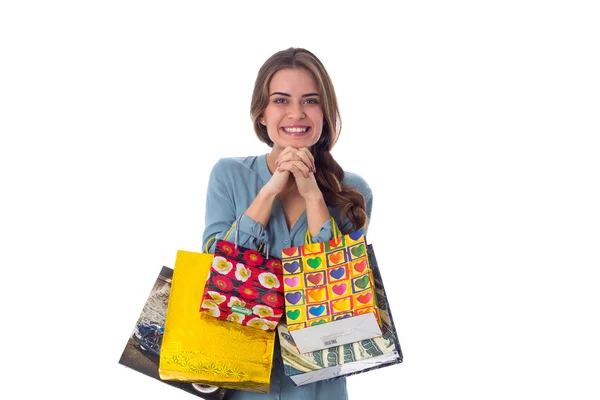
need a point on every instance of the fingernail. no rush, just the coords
(314, 170)
(276, 161)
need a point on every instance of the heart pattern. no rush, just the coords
(365, 298)
(317, 294)
(293, 297)
(362, 282)
(335, 242)
(336, 258)
(315, 279)
(339, 289)
(293, 314)
(341, 305)
(291, 267)
(337, 318)
(358, 251)
(314, 248)
(314, 263)
(328, 278)
(292, 282)
(356, 235)
(360, 266)
(316, 311)
(290, 251)
(337, 273)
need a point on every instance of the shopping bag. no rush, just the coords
(142, 351)
(244, 286)
(199, 348)
(329, 293)
(349, 359)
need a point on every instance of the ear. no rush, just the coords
(262, 121)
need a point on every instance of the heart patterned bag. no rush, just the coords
(329, 292)
(349, 359)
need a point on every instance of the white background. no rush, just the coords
(475, 123)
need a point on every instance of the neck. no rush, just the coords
(271, 157)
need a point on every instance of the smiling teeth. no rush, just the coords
(294, 130)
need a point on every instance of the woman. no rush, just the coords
(296, 187)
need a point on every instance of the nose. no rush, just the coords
(296, 111)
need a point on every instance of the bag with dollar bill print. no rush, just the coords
(349, 359)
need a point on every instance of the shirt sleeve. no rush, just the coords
(325, 233)
(221, 213)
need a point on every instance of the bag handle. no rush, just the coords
(208, 244)
(266, 239)
(212, 239)
(336, 233)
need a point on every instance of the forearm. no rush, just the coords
(317, 213)
(261, 207)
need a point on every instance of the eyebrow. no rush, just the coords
(289, 95)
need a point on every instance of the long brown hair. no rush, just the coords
(329, 173)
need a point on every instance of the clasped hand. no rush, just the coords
(295, 165)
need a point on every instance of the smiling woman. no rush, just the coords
(293, 114)
(297, 187)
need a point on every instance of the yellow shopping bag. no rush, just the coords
(202, 349)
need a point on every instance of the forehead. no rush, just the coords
(296, 81)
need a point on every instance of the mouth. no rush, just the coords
(295, 130)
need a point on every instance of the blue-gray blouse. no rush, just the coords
(233, 185)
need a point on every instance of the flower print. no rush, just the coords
(253, 258)
(273, 299)
(221, 265)
(213, 312)
(242, 273)
(234, 301)
(248, 292)
(217, 297)
(274, 265)
(222, 282)
(221, 370)
(235, 317)
(262, 311)
(228, 248)
(258, 323)
(208, 304)
(270, 324)
(268, 280)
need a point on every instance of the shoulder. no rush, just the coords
(234, 167)
(358, 182)
(228, 164)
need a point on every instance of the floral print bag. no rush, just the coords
(244, 286)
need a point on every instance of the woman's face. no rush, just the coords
(294, 116)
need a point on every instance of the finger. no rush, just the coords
(295, 167)
(283, 156)
(288, 156)
(297, 155)
(310, 156)
(282, 171)
(307, 158)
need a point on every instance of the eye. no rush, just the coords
(312, 101)
(279, 100)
